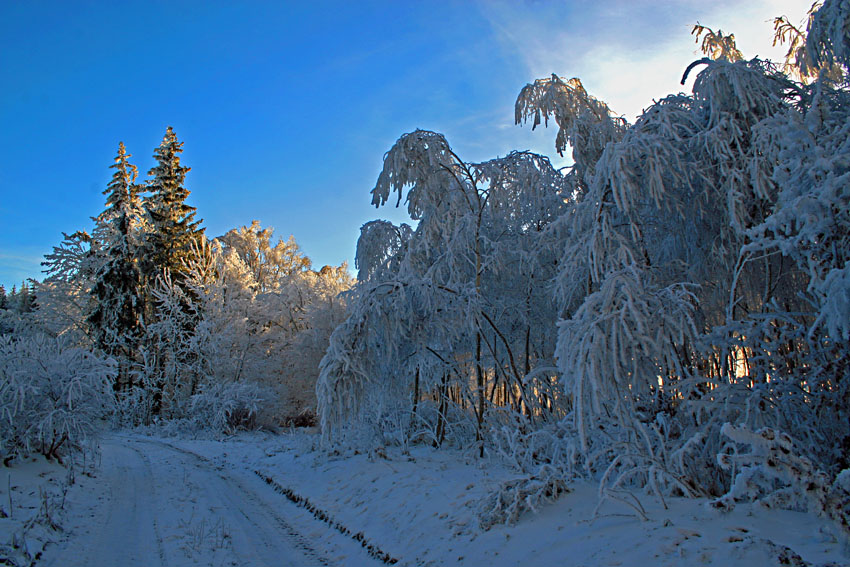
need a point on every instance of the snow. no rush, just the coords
(149, 503)
(201, 502)
(699, 265)
(421, 508)
(32, 493)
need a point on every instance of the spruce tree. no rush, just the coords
(116, 317)
(169, 236)
(25, 300)
(29, 302)
(3, 301)
(173, 228)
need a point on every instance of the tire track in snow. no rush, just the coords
(154, 505)
(148, 469)
(323, 516)
(264, 538)
(126, 532)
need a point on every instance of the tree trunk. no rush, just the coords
(479, 378)
(415, 400)
(442, 393)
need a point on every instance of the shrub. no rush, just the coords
(228, 407)
(52, 395)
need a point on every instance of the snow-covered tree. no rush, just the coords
(166, 247)
(65, 293)
(698, 259)
(173, 228)
(269, 264)
(22, 299)
(172, 366)
(451, 311)
(116, 316)
(252, 313)
(716, 44)
(708, 247)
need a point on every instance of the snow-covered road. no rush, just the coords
(175, 502)
(153, 504)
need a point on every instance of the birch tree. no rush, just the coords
(435, 315)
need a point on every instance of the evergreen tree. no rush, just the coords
(65, 298)
(169, 239)
(29, 302)
(3, 301)
(24, 300)
(21, 298)
(173, 228)
(116, 317)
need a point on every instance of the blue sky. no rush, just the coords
(286, 108)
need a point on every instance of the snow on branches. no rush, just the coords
(687, 271)
(584, 122)
(455, 312)
(52, 395)
(774, 471)
(828, 35)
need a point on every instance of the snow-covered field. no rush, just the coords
(263, 499)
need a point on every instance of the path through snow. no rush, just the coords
(178, 502)
(154, 504)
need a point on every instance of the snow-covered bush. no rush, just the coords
(133, 406)
(774, 471)
(620, 348)
(513, 498)
(547, 457)
(226, 408)
(53, 397)
(12, 324)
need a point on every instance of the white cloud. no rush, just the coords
(629, 53)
